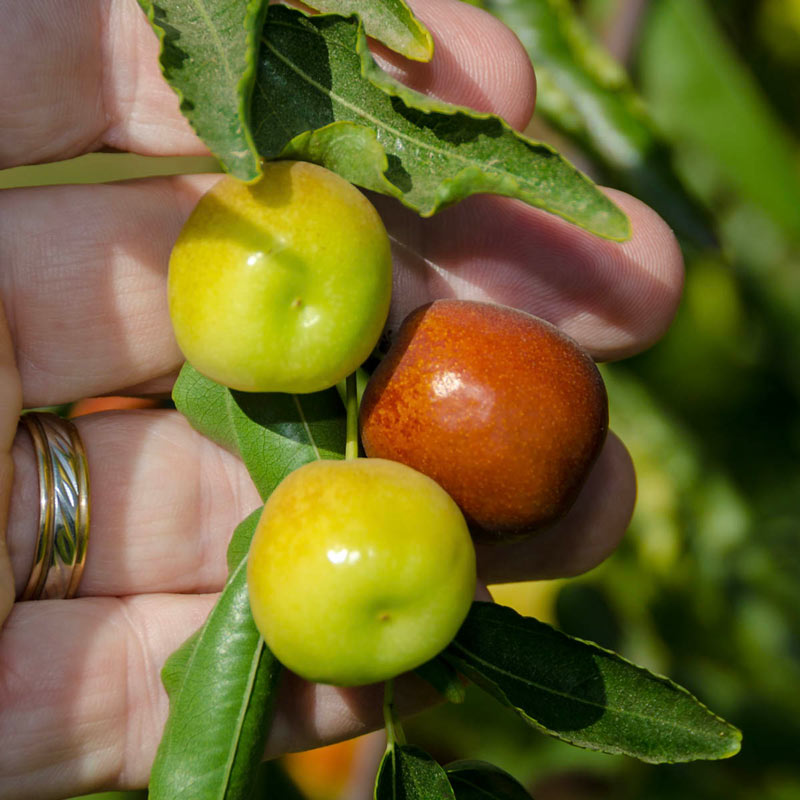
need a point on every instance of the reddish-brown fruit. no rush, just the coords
(505, 411)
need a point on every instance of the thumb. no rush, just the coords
(10, 409)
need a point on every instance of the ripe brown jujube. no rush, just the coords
(501, 408)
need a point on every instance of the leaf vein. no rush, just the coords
(622, 712)
(204, 13)
(251, 678)
(307, 427)
(187, 669)
(381, 124)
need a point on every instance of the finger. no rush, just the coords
(81, 704)
(107, 250)
(583, 538)
(165, 501)
(615, 299)
(96, 80)
(85, 280)
(10, 408)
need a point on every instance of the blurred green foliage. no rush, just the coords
(706, 586)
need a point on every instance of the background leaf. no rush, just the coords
(208, 50)
(221, 684)
(389, 21)
(708, 86)
(273, 433)
(586, 95)
(408, 773)
(314, 71)
(477, 780)
(585, 695)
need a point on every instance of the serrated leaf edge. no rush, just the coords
(254, 19)
(255, 662)
(254, 22)
(459, 663)
(371, 72)
(420, 102)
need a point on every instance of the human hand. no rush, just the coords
(83, 283)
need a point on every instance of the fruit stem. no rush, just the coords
(394, 730)
(351, 446)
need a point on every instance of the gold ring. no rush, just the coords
(63, 507)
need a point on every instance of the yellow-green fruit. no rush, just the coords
(359, 570)
(282, 285)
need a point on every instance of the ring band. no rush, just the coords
(63, 507)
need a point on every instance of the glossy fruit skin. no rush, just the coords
(359, 570)
(282, 285)
(501, 408)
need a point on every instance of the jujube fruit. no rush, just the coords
(502, 409)
(283, 285)
(359, 570)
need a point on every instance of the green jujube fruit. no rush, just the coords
(359, 570)
(282, 285)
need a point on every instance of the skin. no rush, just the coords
(81, 704)
(283, 285)
(499, 407)
(387, 543)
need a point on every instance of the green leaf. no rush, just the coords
(585, 94)
(351, 150)
(478, 780)
(408, 773)
(208, 51)
(439, 674)
(389, 21)
(221, 685)
(583, 694)
(272, 433)
(314, 71)
(224, 676)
